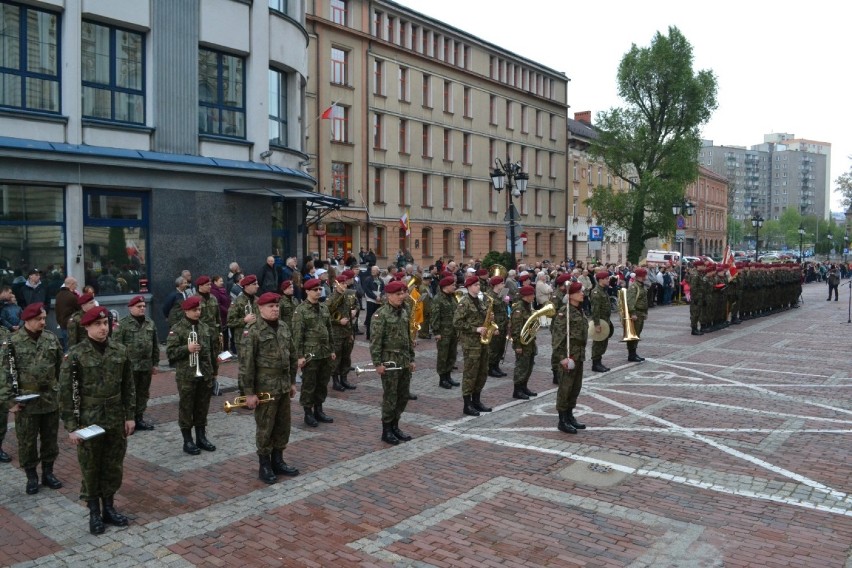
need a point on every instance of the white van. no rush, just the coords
(660, 258)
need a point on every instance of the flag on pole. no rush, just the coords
(405, 223)
(326, 115)
(728, 260)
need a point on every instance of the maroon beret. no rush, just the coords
(563, 278)
(268, 298)
(31, 311)
(641, 272)
(87, 297)
(311, 284)
(482, 272)
(135, 300)
(496, 280)
(698, 263)
(250, 279)
(202, 280)
(527, 291)
(399, 275)
(93, 315)
(523, 277)
(342, 277)
(446, 273)
(394, 286)
(603, 274)
(721, 267)
(349, 273)
(470, 281)
(575, 287)
(447, 281)
(191, 303)
(286, 284)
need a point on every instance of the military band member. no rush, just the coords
(734, 294)
(37, 359)
(637, 305)
(558, 299)
(390, 340)
(443, 308)
(571, 364)
(269, 366)
(138, 334)
(601, 310)
(497, 347)
(209, 307)
(243, 310)
(287, 303)
(696, 300)
(312, 345)
(76, 333)
(468, 322)
(4, 403)
(96, 387)
(343, 309)
(524, 354)
(195, 367)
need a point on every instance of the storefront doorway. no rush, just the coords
(338, 241)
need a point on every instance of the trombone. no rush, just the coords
(240, 401)
(388, 365)
(194, 359)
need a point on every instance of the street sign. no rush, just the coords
(681, 222)
(596, 233)
(680, 236)
(512, 214)
(519, 245)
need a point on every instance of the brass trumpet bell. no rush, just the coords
(534, 322)
(459, 294)
(626, 321)
(240, 401)
(498, 270)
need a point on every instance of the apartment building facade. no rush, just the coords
(411, 114)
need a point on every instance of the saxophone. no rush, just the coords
(490, 326)
(13, 369)
(75, 388)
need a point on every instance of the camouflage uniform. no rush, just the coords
(312, 334)
(194, 392)
(558, 300)
(4, 404)
(601, 311)
(210, 316)
(470, 315)
(497, 347)
(342, 336)
(570, 381)
(637, 305)
(143, 350)
(443, 308)
(390, 341)
(107, 398)
(524, 360)
(426, 299)
(76, 332)
(696, 299)
(286, 309)
(236, 318)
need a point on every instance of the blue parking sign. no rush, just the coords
(596, 233)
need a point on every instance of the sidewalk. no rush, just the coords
(728, 449)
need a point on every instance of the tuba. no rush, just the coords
(498, 270)
(626, 322)
(534, 322)
(459, 294)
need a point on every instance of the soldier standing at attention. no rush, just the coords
(343, 310)
(571, 369)
(138, 334)
(443, 308)
(637, 305)
(209, 308)
(194, 389)
(243, 310)
(425, 331)
(557, 301)
(96, 387)
(693, 278)
(467, 321)
(287, 303)
(501, 317)
(269, 366)
(37, 359)
(4, 396)
(524, 354)
(312, 335)
(600, 316)
(76, 333)
(390, 340)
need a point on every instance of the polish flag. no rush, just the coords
(326, 115)
(405, 223)
(728, 260)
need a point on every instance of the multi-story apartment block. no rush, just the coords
(418, 111)
(781, 173)
(143, 137)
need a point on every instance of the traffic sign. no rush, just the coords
(680, 236)
(681, 222)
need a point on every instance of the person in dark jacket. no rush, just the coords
(33, 291)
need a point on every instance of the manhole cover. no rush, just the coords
(600, 468)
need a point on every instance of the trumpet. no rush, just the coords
(247, 310)
(240, 401)
(308, 357)
(194, 359)
(388, 365)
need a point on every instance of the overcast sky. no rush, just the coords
(780, 66)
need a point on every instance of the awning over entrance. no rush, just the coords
(316, 204)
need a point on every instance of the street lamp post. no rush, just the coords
(801, 241)
(510, 177)
(830, 238)
(757, 223)
(846, 250)
(688, 208)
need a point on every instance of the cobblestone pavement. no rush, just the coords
(730, 449)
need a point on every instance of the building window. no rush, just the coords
(221, 92)
(427, 141)
(448, 96)
(279, 5)
(553, 164)
(426, 190)
(427, 91)
(551, 206)
(403, 36)
(448, 144)
(538, 252)
(338, 12)
(510, 115)
(467, 197)
(113, 63)
(467, 151)
(378, 120)
(403, 239)
(492, 201)
(378, 23)
(378, 78)
(539, 166)
(415, 38)
(448, 194)
(492, 151)
(379, 247)
(553, 127)
(340, 180)
(538, 203)
(492, 109)
(404, 197)
(339, 66)
(115, 240)
(277, 108)
(447, 243)
(404, 94)
(468, 109)
(403, 136)
(339, 123)
(539, 123)
(426, 242)
(525, 121)
(378, 187)
(29, 59)
(391, 29)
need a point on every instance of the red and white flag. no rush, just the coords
(405, 223)
(728, 260)
(326, 115)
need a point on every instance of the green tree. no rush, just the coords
(653, 141)
(844, 188)
(736, 232)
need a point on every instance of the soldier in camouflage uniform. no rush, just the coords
(391, 341)
(193, 391)
(497, 347)
(287, 303)
(426, 299)
(693, 278)
(76, 333)
(443, 308)
(343, 309)
(601, 310)
(243, 310)
(4, 404)
(637, 305)
(38, 356)
(734, 294)
(468, 322)
(312, 334)
(557, 300)
(524, 354)
(138, 333)
(210, 308)
(104, 396)
(269, 366)
(571, 363)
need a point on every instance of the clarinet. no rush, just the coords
(13, 369)
(75, 388)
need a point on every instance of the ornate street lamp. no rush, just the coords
(509, 176)
(757, 223)
(801, 241)
(689, 208)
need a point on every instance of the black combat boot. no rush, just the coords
(32, 480)
(142, 424)
(518, 392)
(264, 472)
(309, 417)
(555, 377)
(477, 403)
(400, 435)
(469, 409)
(452, 382)
(345, 382)
(736, 321)
(47, 477)
(696, 331)
(633, 357)
(443, 382)
(564, 425)
(573, 421)
(111, 516)
(280, 467)
(201, 440)
(336, 384)
(500, 371)
(388, 435)
(493, 373)
(412, 396)
(188, 443)
(322, 416)
(96, 523)
(598, 367)
(526, 389)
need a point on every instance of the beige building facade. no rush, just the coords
(411, 114)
